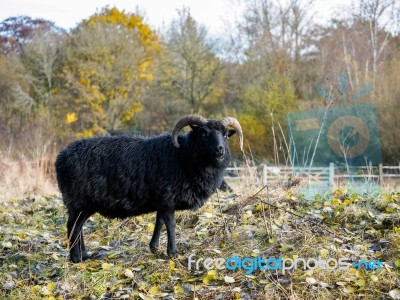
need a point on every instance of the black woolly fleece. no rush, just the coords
(130, 175)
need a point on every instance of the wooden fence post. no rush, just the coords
(380, 175)
(264, 178)
(332, 175)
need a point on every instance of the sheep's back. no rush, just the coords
(111, 175)
(120, 176)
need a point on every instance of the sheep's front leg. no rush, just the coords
(155, 240)
(170, 223)
(75, 236)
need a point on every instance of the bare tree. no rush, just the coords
(382, 17)
(272, 26)
(194, 65)
(42, 58)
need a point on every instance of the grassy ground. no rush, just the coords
(266, 223)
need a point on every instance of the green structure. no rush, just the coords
(345, 136)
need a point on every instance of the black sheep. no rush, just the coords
(122, 176)
(224, 187)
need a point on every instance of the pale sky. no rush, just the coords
(211, 13)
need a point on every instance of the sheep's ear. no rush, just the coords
(231, 132)
(194, 126)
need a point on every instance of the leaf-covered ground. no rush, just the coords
(266, 223)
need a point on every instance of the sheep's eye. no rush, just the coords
(226, 135)
(204, 133)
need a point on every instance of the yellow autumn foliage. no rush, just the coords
(127, 20)
(71, 118)
(133, 110)
(110, 67)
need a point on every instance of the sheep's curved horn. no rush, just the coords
(185, 121)
(230, 121)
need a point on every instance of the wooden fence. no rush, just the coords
(333, 175)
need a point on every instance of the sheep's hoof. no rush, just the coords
(173, 254)
(154, 250)
(154, 247)
(78, 258)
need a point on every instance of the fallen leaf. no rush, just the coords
(107, 248)
(51, 286)
(229, 279)
(346, 201)
(348, 290)
(272, 240)
(171, 265)
(46, 292)
(36, 288)
(128, 273)
(397, 263)
(211, 275)
(208, 215)
(311, 280)
(145, 297)
(9, 285)
(154, 290)
(178, 289)
(324, 284)
(360, 282)
(106, 266)
(374, 278)
(6, 245)
(324, 252)
(150, 227)
(395, 294)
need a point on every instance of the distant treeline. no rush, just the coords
(113, 72)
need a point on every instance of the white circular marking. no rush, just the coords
(359, 127)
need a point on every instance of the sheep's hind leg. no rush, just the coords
(75, 236)
(170, 223)
(155, 240)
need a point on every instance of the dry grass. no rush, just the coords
(23, 176)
